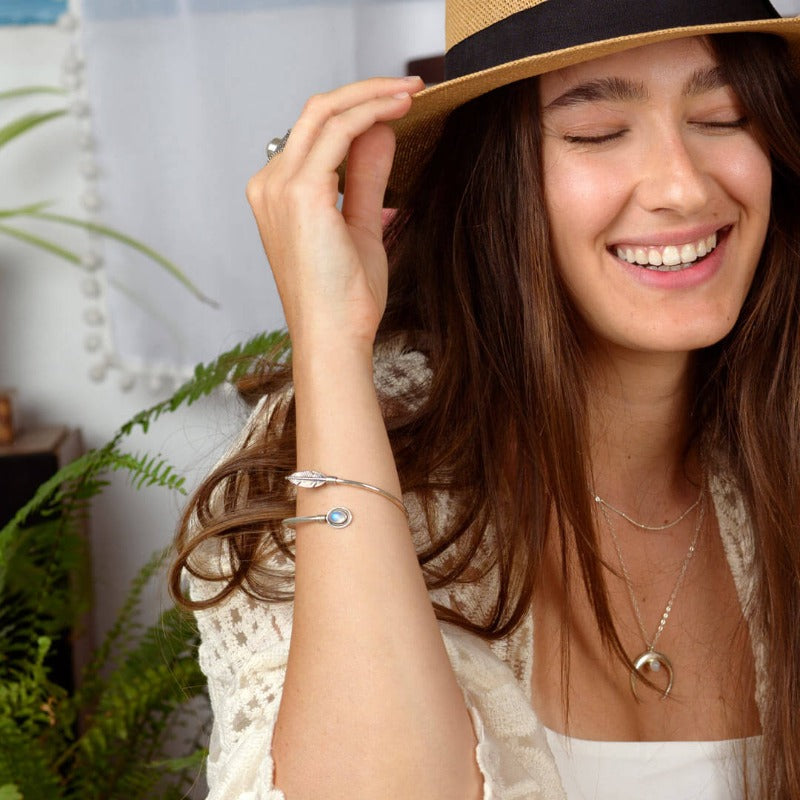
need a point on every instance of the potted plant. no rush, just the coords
(104, 737)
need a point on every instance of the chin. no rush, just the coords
(688, 339)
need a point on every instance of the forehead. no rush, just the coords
(663, 63)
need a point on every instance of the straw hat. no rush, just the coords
(491, 43)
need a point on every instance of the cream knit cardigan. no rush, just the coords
(245, 646)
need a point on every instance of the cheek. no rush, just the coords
(746, 175)
(582, 201)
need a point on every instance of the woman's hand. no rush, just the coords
(330, 266)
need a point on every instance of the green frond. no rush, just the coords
(118, 754)
(24, 210)
(71, 489)
(32, 712)
(134, 244)
(25, 123)
(25, 91)
(146, 470)
(229, 367)
(74, 484)
(23, 767)
(92, 683)
(37, 211)
(42, 243)
(47, 588)
(192, 761)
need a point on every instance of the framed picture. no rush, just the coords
(31, 12)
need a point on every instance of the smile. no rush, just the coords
(669, 258)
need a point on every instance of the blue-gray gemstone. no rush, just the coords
(339, 517)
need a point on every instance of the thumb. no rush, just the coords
(369, 163)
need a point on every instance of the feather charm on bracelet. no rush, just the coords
(308, 479)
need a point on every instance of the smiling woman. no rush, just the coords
(573, 354)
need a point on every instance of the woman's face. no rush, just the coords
(658, 195)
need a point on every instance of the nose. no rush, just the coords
(672, 177)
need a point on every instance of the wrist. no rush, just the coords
(334, 357)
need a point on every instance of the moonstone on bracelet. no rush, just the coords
(312, 479)
(339, 517)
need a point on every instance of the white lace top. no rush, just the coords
(245, 646)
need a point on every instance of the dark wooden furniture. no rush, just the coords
(31, 459)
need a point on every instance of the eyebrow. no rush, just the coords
(705, 79)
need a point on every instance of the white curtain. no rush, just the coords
(184, 95)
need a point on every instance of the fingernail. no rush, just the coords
(401, 95)
(412, 78)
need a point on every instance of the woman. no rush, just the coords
(581, 378)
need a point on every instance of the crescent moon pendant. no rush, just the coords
(655, 661)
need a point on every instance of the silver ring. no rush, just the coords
(276, 145)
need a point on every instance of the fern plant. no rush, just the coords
(104, 739)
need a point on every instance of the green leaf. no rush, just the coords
(23, 124)
(50, 492)
(194, 760)
(9, 792)
(24, 91)
(229, 367)
(36, 210)
(43, 244)
(23, 210)
(112, 233)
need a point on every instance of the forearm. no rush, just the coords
(371, 707)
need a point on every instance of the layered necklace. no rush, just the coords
(653, 659)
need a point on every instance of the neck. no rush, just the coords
(639, 429)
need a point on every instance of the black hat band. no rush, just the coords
(559, 24)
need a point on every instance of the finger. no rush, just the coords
(322, 107)
(368, 168)
(338, 134)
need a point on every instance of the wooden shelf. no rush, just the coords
(34, 456)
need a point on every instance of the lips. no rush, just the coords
(669, 257)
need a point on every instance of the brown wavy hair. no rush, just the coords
(473, 286)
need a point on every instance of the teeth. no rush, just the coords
(654, 257)
(669, 258)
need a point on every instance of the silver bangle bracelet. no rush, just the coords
(339, 517)
(311, 479)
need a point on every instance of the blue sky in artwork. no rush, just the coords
(31, 12)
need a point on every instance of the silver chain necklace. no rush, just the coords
(652, 658)
(665, 527)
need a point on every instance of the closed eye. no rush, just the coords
(734, 124)
(607, 137)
